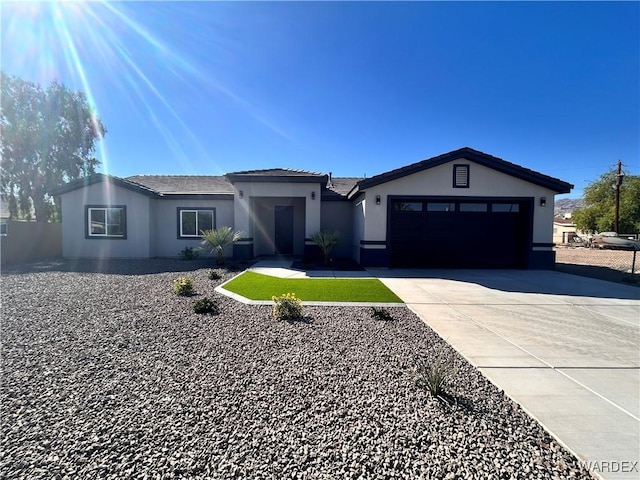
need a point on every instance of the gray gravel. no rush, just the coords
(107, 374)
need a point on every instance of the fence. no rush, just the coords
(29, 241)
(617, 265)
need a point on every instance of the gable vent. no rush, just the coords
(461, 176)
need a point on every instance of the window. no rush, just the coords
(461, 176)
(192, 221)
(3, 229)
(473, 207)
(441, 207)
(106, 222)
(407, 206)
(505, 207)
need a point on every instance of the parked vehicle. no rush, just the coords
(612, 241)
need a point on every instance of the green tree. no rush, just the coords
(216, 240)
(47, 138)
(598, 215)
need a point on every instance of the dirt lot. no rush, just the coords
(612, 265)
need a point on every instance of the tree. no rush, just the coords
(216, 240)
(47, 137)
(598, 215)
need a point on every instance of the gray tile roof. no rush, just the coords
(342, 185)
(189, 184)
(278, 172)
(209, 184)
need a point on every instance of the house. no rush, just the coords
(462, 209)
(564, 230)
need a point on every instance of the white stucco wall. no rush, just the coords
(74, 241)
(164, 223)
(359, 213)
(438, 181)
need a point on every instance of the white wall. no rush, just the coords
(359, 212)
(483, 181)
(74, 228)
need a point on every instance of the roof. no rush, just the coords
(476, 156)
(103, 177)
(562, 221)
(277, 175)
(175, 185)
(183, 184)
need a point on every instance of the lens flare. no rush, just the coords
(100, 47)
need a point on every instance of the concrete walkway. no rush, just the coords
(566, 348)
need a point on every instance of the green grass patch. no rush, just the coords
(256, 286)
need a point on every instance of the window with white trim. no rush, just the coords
(192, 221)
(106, 221)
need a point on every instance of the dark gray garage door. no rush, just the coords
(454, 233)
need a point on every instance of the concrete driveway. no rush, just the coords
(566, 348)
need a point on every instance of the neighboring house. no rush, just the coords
(463, 209)
(564, 230)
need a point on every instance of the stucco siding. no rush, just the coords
(165, 223)
(74, 226)
(438, 181)
(263, 223)
(338, 216)
(308, 193)
(358, 226)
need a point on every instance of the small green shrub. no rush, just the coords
(189, 253)
(435, 375)
(381, 314)
(206, 305)
(183, 286)
(213, 275)
(287, 307)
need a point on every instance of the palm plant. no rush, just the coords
(326, 241)
(216, 240)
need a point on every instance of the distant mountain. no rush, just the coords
(567, 205)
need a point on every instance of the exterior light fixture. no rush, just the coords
(313, 195)
(377, 199)
(241, 193)
(543, 201)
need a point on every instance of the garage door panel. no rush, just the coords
(440, 235)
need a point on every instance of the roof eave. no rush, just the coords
(100, 178)
(470, 154)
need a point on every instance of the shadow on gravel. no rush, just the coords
(123, 266)
(303, 320)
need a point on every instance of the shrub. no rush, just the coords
(435, 375)
(287, 307)
(213, 275)
(216, 240)
(183, 286)
(189, 253)
(326, 241)
(381, 314)
(205, 305)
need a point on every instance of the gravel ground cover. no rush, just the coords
(108, 374)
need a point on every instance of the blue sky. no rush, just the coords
(353, 88)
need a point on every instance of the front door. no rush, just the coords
(284, 230)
